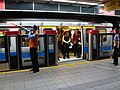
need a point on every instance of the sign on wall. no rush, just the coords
(118, 4)
(112, 5)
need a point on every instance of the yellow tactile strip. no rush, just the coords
(60, 65)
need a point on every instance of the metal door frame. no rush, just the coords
(17, 50)
(90, 45)
(5, 42)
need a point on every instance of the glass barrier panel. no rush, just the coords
(12, 46)
(25, 51)
(51, 41)
(41, 50)
(106, 47)
(2, 49)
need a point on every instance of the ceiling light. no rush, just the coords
(101, 5)
(87, 3)
(66, 1)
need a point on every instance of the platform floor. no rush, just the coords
(74, 75)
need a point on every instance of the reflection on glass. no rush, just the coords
(24, 42)
(2, 43)
(103, 38)
(41, 43)
(51, 43)
(2, 49)
(13, 46)
(41, 50)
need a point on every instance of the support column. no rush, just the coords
(90, 47)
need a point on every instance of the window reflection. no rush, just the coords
(2, 43)
(24, 40)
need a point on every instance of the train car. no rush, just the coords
(66, 25)
(105, 40)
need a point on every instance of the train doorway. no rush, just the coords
(75, 43)
(75, 47)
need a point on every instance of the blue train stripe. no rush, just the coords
(27, 55)
(13, 53)
(85, 49)
(105, 48)
(2, 57)
(40, 54)
(24, 55)
(51, 51)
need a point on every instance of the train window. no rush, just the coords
(23, 32)
(103, 38)
(18, 5)
(24, 42)
(69, 8)
(87, 9)
(2, 42)
(45, 6)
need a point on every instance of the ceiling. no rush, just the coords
(57, 15)
(49, 15)
(86, 2)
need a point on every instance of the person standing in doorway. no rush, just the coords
(116, 40)
(66, 42)
(33, 43)
(74, 42)
(79, 46)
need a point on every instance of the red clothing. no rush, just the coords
(75, 37)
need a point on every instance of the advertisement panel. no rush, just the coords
(112, 5)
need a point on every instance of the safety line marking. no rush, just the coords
(60, 65)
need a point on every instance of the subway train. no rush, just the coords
(105, 41)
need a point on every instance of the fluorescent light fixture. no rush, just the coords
(87, 3)
(84, 23)
(6, 24)
(66, 1)
(101, 5)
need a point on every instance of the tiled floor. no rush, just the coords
(77, 75)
